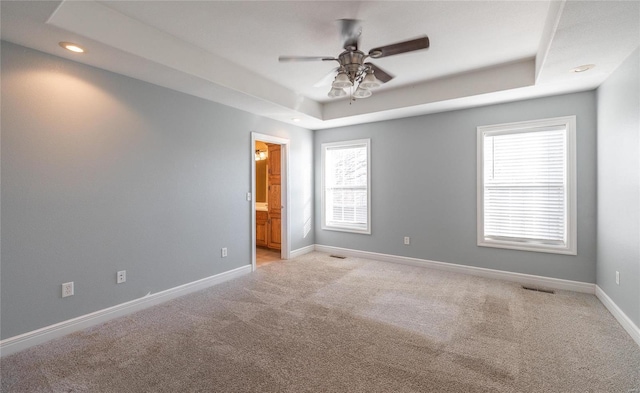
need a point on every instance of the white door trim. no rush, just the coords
(286, 233)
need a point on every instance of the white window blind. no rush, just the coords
(346, 186)
(526, 187)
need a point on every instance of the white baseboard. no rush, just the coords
(619, 315)
(29, 339)
(302, 251)
(526, 279)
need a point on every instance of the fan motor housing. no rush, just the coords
(352, 61)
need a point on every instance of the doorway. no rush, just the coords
(269, 191)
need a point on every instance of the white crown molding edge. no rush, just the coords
(619, 315)
(23, 341)
(98, 22)
(527, 279)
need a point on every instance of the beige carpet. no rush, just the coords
(319, 324)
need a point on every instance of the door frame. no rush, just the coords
(285, 194)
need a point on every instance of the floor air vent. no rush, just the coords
(337, 256)
(539, 289)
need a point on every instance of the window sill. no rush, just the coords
(528, 247)
(346, 229)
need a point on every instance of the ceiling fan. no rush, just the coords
(353, 69)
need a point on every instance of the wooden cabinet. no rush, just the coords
(261, 228)
(275, 233)
(275, 217)
(273, 160)
(274, 222)
(269, 223)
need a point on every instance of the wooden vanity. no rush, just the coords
(261, 228)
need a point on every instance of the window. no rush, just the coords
(345, 185)
(526, 186)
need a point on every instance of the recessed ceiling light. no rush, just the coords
(583, 68)
(295, 119)
(72, 47)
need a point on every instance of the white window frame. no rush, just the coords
(346, 228)
(570, 246)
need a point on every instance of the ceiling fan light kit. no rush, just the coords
(336, 92)
(342, 81)
(362, 93)
(370, 81)
(353, 70)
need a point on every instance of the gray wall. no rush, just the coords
(102, 172)
(424, 186)
(619, 186)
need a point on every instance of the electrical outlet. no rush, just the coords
(248, 196)
(617, 277)
(121, 276)
(224, 252)
(407, 240)
(67, 289)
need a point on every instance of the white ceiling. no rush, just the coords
(481, 52)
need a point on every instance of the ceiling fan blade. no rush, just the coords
(400, 47)
(287, 59)
(327, 79)
(380, 74)
(350, 31)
